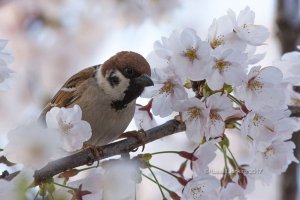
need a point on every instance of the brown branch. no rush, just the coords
(116, 148)
(295, 111)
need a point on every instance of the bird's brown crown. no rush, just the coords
(127, 59)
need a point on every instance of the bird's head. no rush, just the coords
(124, 76)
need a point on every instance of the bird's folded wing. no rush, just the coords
(68, 92)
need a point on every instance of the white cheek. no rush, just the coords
(116, 92)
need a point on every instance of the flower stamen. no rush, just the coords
(167, 88)
(222, 65)
(191, 54)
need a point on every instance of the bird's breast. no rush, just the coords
(107, 123)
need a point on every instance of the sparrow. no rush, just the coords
(106, 94)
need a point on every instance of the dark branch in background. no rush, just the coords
(288, 23)
(116, 148)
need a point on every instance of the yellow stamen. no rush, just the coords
(194, 112)
(167, 88)
(222, 65)
(191, 54)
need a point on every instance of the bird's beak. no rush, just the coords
(144, 80)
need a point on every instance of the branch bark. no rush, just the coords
(117, 148)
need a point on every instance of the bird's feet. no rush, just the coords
(96, 153)
(138, 135)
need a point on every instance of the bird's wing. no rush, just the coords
(68, 93)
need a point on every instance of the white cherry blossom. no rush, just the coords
(205, 153)
(32, 145)
(166, 92)
(232, 191)
(221, 33)
(274, 158)
(261, 88)
(267, 124)
(229, 67)
(93, 183)
(16, 188)
(201, 188)
(188, 54)
(143, 118)
(120, 179)
(245, 28)
(195, 115)
(289, 63)
(73, 130)
(220, 108)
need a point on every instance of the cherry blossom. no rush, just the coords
(195, 115)
(274, 158)
(289, 64)
(221, 33)
(201, 188)
(268, 124)
(16, 188)
(261, 88)
(119, 179)
(245, 28)
(143, 118)
(74, 131)
(231, 191)
(166, 92)
(220, 107)
(40, 146)
(205, 153)
(188, 54)
(229, 67)
(93, 183)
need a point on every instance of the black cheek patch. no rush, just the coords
(133, 92)
(113, 80)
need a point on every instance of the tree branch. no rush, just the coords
(117, 148)
(295, 111)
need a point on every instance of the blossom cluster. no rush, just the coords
(213, 85)
(232, 91)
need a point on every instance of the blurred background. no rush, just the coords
(53, 39)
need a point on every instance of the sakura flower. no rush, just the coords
(289, 64)
(16, 188)
(143, 118)
(187, 53)
(267, 124)
(232, 191)
(195, 115)
(229, 67)
(262, 87)
(275, 158)
(74, 131)
(120, 178)
(166, 92)
(201, 188)
(220, 107)
(245, 28)
(92, 183)
(205, 153)
(221, 33)
(5, 59)
(32, 146)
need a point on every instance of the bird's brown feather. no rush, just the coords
(65, 98)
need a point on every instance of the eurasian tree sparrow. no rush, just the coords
(106, 94)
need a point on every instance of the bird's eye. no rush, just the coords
(129, 72)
